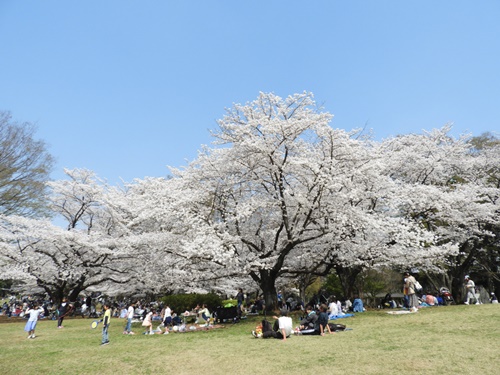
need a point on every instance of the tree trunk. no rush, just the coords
(267, 281)
(461, 266)
(303, 282)
(347, 276)
(57, 293)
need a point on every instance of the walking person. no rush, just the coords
(32, 320)
(64, 309)
(470, 287)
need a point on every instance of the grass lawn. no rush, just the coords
(441, 340)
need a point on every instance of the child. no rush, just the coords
(33, 319)
(148, 323)
(167, 318)
(106, 320)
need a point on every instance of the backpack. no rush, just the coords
(336, 327)
(417, 287)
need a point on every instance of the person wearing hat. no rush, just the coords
(281, 329)
(471, 291)
(493, 298)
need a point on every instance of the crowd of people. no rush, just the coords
(315, 319)
(315, 322)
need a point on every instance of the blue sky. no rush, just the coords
(125, 88)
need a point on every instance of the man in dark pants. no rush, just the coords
(281, 329)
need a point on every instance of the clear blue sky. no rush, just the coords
(126, 88)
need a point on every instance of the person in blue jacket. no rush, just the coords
(357, 305)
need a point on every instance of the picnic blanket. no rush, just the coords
(334, 317)
(400, 312)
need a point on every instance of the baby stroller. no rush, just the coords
(222, 314)
(446, 296)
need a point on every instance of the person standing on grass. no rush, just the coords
(33, 319)
(64, 309)
(106, 319)
(148, 322)
(471, 291)
(240, 297)
(167, 316)
(130, 316)
(410, 292)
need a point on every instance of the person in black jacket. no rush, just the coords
(320, 323)
(240, 297)
(309, 321)
(64, 309)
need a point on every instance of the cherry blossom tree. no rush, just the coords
(287, 193)
(281, 195)
(66, 261)
(174, 251)
(444, 188)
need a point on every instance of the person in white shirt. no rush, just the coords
(32, 320)
(281, 330)
(204, 313)
(333, 308)
(130, 316)
(493, 298)
(167, 318)
(471, 291)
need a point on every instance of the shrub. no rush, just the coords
(182, 302)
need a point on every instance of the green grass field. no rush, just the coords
(441, 340)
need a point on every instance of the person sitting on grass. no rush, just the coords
(493, 298)
(176, 319)
(204, 314)
(320, 325)
(281, 329)
(310, 320)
